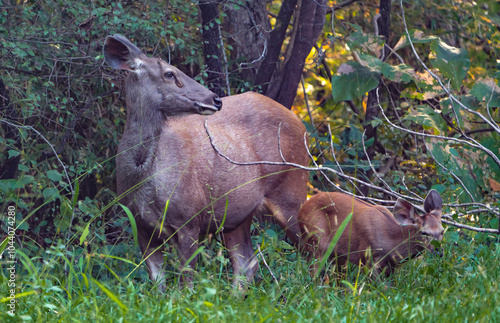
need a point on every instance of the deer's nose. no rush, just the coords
(217, 103)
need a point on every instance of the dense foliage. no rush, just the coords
(62, 114)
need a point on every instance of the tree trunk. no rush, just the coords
(276, 38)
(308, 25)
(212, 47)
(7, 111)
(372, 108)
(247, 27)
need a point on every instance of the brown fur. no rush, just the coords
(165, 155)
(374, 235)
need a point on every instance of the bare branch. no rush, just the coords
(471, 228)
(450, 95)
(452, 174)
(267, 266)
(423, 134)
(353, 179)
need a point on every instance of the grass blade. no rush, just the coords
(164, 215)
(132, 222)
(333, 243)
(111, 295)
(224, 217)
(198, 251)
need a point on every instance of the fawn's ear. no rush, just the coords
(121, 54)
(404, 212)
(433, 203)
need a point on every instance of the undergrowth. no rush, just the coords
(80, 284)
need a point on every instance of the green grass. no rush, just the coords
(77, 286)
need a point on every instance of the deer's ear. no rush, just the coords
(404, 212)
(433, 203)
(121, 54)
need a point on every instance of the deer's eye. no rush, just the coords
(169, 75)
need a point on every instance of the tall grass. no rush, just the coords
(90, 283)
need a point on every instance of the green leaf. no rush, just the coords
(399, 73)
(454, 152)
(54, 175)
(488, 91)
(353, 80)
(416, 37)
(77, 192)
(13, 153)
(454, 111)
(468, 100)
(23, 168)
(438, 187)
(452, 62)
(85, 233)
(285, 245)
(426, 116)
(364, 43)
(50, 193)
(371, 62)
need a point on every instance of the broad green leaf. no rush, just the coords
(416, 37)
(492, 143)
(352, 81)
(448, 107)
(426, 116)
(488, 91)
(364, 43)
(439, 187)
(399, 73)
(50, 193)
(447, 104)
(458, 161)
(54, 175)
(12, 184)
(452, 62)
(371, 62)
(454, 152)
(13, 153)
(23, 168)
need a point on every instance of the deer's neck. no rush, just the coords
(411, 242)
(142, 131)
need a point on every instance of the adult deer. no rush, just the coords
(374, 235)
(165, 158)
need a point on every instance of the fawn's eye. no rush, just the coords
(168, 75)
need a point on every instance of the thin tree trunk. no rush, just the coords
(276, 38)
(307, 28)
(247, 28)
(384, 24)
(7, 111)
(212, 49)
